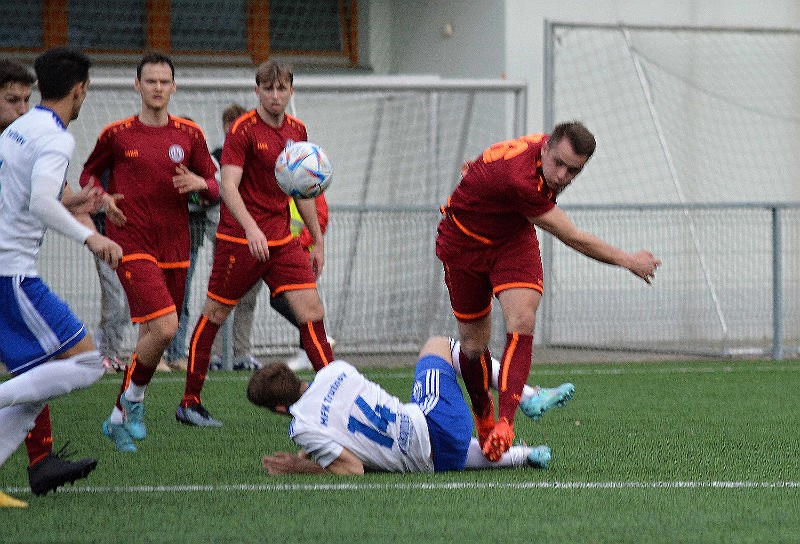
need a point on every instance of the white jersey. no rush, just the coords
(341, 408)
(37, 147)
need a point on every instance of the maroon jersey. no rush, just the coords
(254, 146)
(142, 161)
(500, 191)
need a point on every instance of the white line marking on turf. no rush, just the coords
(421, 486)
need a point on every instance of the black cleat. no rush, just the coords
(56, 470)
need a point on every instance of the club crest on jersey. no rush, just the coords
(176, 153)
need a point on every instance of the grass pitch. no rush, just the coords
(650, 452)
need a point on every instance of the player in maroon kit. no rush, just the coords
(254, 241)
(487, 243)
(156, 160)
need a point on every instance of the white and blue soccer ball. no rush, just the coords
(303, 170)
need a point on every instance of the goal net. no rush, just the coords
(697, 132)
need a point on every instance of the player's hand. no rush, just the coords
(87, 200)
(105, 249)
(286, 463)
(644, 265)
(186, 181)
(257, 243)
(317, 258)
(113, 213)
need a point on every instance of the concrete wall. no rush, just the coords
(496, 38)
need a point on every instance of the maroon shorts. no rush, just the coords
(153, 289)
(235, 270)
(474, 273)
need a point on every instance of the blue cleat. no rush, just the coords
(545, 399)
(539, 457)
(119, 435)
(134, 418)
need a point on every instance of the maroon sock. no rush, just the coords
(475, 373)
(315, 342)
(39, 441)
(199, 359)
(515, 366)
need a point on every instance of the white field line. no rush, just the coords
(422, 486)
(599, 370)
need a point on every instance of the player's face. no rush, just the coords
(560, 164)
(82, 90)
(274, 96)
(156, 86)
(15, 100)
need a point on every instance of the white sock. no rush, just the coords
(15, 424)
(117, 416)
(52, 379)
(455, 348)
(516, 456)
(135, 393)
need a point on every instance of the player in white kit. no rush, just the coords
(45, 347)
(346, 424)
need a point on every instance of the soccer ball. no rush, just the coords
(303, 170)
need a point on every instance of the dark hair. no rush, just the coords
(14, 72)
(232, 113)
(583, 142)
(272, 70)
(59, 69)
(154, 57)
(273, 385)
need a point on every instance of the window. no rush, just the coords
(256, 28)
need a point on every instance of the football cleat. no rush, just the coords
(196, 415)
(539, 457)
(55, 470)
(544, 399)
(499, 441)
(134, 418)
(120, 436)
(7, 501)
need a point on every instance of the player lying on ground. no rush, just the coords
(346, 424)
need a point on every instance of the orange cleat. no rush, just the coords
(485, 424)
(499, 441)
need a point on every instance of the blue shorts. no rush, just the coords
(437, 392)
(35, 324)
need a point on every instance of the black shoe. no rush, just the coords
(56, 470)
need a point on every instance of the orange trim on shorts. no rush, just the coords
(178, 264)
(225, 301)
(243, 241)
(138, 257)
(148, 257)
(512, 346)
(518, 285)
(472, 317)
(293, 287)
(154, 315)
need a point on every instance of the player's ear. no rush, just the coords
(282, 409)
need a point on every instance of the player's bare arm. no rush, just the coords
(308, 211)
(286, 463)
(186, 181)
(229, 190)
(642, 263)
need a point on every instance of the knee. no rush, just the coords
(522, 323)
